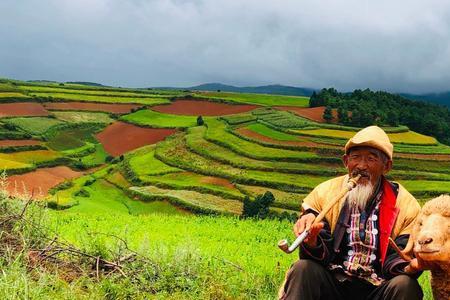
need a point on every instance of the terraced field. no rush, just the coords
(245, 150)
(123, 160)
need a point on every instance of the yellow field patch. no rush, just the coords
(6, 164)
(13, 95)
(409, 137)
(29, 157)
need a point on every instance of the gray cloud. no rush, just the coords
(392, 45)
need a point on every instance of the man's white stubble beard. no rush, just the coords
(360, 195)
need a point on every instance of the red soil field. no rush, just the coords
(202, 108)
(120, 137)
(15, 143)
(40, 181)
(85, 106)
(217, 181)
(22, 109)
(313, 113)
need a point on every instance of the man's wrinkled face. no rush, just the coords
(368, 162)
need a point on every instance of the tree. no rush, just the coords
(342, 115)
(259, 208)
(200, 121)
(328, 114)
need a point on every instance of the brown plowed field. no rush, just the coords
(120, 137)
(85, 106)
(18, 143)
(202, 108)
(22, 109)
(256, 136)
(40, 181)
(313, 113)
(217, 181)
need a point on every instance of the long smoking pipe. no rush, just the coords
(284, 245)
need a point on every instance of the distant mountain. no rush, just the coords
(439, 98)
(85, 83)
(266, 89)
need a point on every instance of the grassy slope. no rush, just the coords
(33, 125)
(82, 117)
(103, 99)
(259, 99)
(156, 119)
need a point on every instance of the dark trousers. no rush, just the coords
(308, 280)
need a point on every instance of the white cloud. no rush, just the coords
(393, 45)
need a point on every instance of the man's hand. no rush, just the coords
(416, 265)
(305, 223)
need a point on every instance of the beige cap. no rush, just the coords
(372, 136)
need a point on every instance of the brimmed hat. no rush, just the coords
(372, 136)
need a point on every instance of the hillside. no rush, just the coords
(138, 163)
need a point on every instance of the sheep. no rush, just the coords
(430, 242)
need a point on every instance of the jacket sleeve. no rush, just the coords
(322, 253)
(394, 264)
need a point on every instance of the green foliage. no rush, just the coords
(239, 118)
(327, 114)
(368, 107)
(102, 99)
(259, 208)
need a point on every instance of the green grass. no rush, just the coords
(155, 119)
(143, 162)
(239, 118)
(258, 99)
(33, 125)
(82, 117)
(96, 158)
(11, 164)
(103, 99)
(426, 187)
(269, 132)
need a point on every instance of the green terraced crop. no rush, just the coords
(33, 125)
(196, 143)
(239, 118)
(174, 152)
(102, 99)
(198, 202)
(82, 117)
(283, 119)
(195, 182)
(409, 137)
(75, 136)
(155, 119)
(218, 134)
(258, 99)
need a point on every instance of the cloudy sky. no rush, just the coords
(401, 45)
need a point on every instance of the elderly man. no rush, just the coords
(347, 255)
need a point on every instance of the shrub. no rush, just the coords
(200, 121)
(259, 208)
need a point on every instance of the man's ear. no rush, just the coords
(387, 166)
(345, 160)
